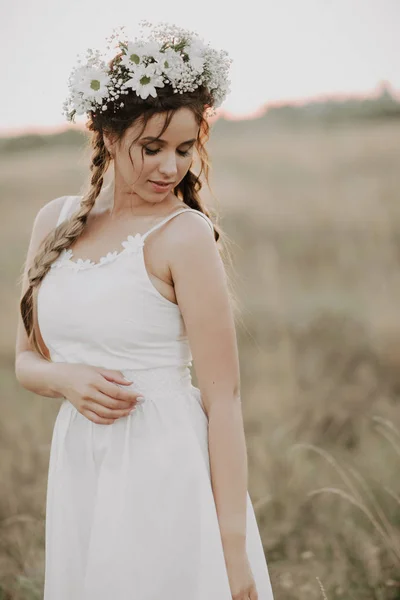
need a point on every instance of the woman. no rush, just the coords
(147, 488)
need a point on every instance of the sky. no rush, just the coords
(282, 50)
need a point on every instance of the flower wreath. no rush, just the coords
(168, 55)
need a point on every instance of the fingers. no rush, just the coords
(108, 413)
(114, 375)
(109, 383)
(119, 396)
(102, 399)
(92, 416)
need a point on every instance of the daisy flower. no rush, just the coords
(144, 81)
(92, 82)
(134, 53)
(169, 60)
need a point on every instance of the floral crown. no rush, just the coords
(167, 55)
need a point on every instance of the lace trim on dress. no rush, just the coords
(131, 245)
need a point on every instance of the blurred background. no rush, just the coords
(306, 172)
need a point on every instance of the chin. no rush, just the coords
(154, 198)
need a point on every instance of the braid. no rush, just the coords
(191, 184)
(61, 238)
(190, 187)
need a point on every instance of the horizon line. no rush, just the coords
(221, 113)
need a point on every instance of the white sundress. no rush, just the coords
(130, 513)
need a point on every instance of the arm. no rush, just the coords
(201, 290)
(32, 371)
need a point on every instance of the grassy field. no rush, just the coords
(313, 215)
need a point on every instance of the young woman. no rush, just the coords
(123, 287)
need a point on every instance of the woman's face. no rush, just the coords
(166, 160)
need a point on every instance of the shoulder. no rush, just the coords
(190, 229)
(54, 211)
(191, 247)
(47, 218)
(48, 214)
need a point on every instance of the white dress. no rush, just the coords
(130, 512)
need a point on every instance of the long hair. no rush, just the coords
(115, 123)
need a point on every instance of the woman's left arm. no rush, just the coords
(202, 294)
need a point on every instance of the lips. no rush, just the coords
(161, 182)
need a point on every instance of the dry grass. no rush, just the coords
(315, 222)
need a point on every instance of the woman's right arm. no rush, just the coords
(32, 371)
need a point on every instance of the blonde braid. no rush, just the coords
(61, 238)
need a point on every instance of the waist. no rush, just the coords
(121, 358)
(159, 380)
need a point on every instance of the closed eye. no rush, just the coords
(149, 152)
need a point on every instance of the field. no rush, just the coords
(313, 215)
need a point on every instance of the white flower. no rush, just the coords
(91, 82)
(195, 51)
(217, 81)
(132, 55)
(133, 243)
(135, 53)
(170, 59)
(171, 63)
(144, 81)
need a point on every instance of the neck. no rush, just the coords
(120, 203)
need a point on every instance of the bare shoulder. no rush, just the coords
(191, 249)
(190, 231)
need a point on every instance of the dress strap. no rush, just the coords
(67, 208)
(144, 236)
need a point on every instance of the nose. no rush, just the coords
(168, 165)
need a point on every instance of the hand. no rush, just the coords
(95, 392)
(240, 576)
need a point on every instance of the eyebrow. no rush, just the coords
(153, 139)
